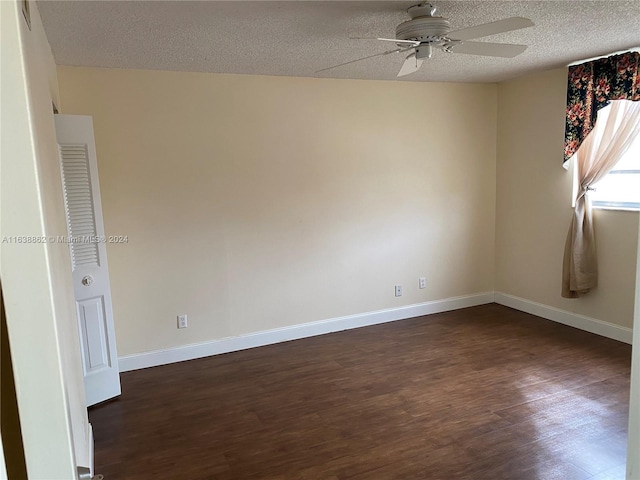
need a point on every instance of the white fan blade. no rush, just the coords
(396, 50)
(486, 29)
(395, 40)
(410, 65)
(488, 49)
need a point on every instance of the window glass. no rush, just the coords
(620, 189)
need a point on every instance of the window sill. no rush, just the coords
(617, 208)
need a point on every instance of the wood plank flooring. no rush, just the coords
(481, 393)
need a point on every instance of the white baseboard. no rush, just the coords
(91, 451)
(294, 332)
(582, 322)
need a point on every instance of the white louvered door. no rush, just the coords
(88, 256)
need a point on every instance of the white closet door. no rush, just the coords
(88, 256)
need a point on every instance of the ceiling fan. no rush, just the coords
(424, 32)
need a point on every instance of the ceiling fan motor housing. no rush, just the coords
(423, 28)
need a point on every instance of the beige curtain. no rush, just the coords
(597, 155)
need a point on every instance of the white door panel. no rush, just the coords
(88, 256)
(94, 334)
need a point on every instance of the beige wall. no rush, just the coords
(36, 278)
(260, 202)
(534, 207)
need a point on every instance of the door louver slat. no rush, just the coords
(79, 204)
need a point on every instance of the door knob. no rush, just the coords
(87, 280)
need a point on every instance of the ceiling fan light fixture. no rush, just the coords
(424, 51)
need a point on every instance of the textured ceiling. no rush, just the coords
(297, 38)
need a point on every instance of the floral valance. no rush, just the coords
(592, 86)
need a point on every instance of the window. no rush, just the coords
(620, 189)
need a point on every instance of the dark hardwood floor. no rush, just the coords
(481, 393)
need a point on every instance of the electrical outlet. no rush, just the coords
(182, 321)
(423, 282)
(398, 290)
